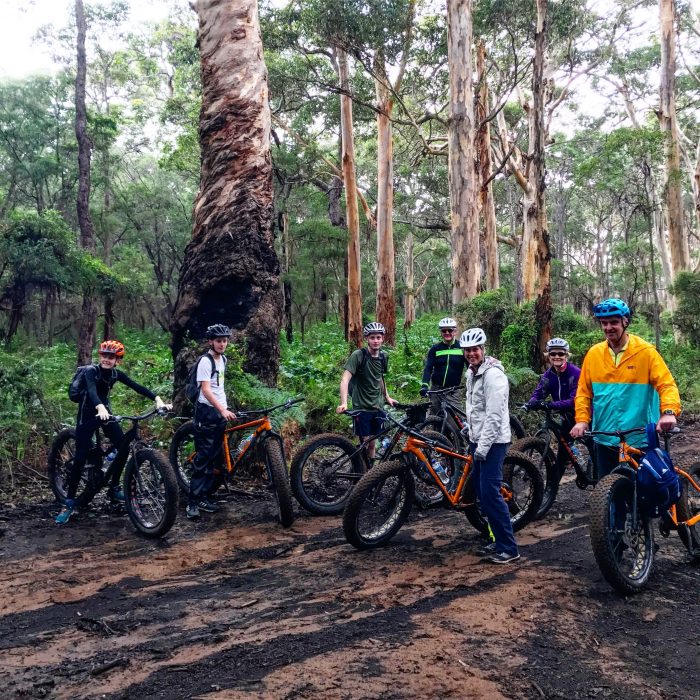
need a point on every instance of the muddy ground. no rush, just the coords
(236, 607)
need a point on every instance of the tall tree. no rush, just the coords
(86, 333)
(462, 153)
(230, 272)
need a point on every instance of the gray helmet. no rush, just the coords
(447, 322)
(472, 337)
(374, 327)
(218, 330)
(558, 343)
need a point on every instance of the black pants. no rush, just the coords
(567, 422)
(606, 459)
(84, 433)
(209, 429)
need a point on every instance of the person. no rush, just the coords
(624, 384)
(211, 414)
(489, 434)
(93, 412)
(367, 367)
(559, 382)
(444, 366)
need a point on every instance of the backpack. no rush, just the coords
(191, 384)
(77, 386)
(363, 363)
(658, 482)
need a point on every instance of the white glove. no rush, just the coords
(160, 405)
(102, 412)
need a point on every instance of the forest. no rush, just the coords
(509, 162)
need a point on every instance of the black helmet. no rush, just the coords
(218, 330)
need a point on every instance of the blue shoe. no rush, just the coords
(68, 509)
(116, 494)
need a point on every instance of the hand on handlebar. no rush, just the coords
(102, 412)
(228, 415)
(342, 408)
(162, 406)
(423, 391)
(579, 430)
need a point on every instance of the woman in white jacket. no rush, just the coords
(489, 435)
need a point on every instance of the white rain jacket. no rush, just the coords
(487, 406)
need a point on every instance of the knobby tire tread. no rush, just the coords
(280, 481)
(184, 432)
(551, 475)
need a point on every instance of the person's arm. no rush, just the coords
(496, 396)
(208, 394)
(344, 381)
(91, 389)
(428, 369)
(568, 404)
(124, 378)
(662, 380)
(583, 400)
(540, 392)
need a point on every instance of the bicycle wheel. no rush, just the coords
(522, 491)
(150, 489)
(324, 471)
(181, 454)
(277, 469)
(623, 548)
(427, 493)
(452, 435)
(688, 507)
(379, 505)
(545, 461)
(517, 428)
(61, 456)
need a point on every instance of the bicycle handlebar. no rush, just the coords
(143, 416)
(448, 390)
(622, 433)
(265, 411)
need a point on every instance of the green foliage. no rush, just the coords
(686, 317)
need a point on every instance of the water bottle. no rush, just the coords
(109, 458)
(580, 457)
(244, 444)
(385, 445)
(440, 471)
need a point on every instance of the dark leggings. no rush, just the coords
(83, 444)
(209, 429)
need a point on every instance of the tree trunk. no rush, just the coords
(678, 241)
(230, 272)
(354, 312)
(488, 241)
(287, 286)
(409, 304)
(386, 303)
(88, 318)
(462, 154)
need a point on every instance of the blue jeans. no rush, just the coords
(488, 478)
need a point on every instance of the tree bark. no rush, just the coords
(386, 304)
(488, 240)
(287, 286)
(354, 312)
(88, 318)
(230, 271)
(678, 240)
(462, 154)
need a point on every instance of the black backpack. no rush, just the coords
(192, 385)
(363, 363)
(77, 387)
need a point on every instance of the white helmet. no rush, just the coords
(557, 343)
(472, 337)
(374, 327)
(447, 322)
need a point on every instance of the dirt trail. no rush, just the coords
(234, 606)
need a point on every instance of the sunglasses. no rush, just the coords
(557, 354)
(447, 330)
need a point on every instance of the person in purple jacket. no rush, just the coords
(560, 382)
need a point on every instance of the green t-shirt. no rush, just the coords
(368, 390)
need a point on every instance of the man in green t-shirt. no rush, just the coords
(367, 367)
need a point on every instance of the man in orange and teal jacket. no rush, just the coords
(624, 384)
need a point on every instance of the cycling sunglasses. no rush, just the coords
(557, 354)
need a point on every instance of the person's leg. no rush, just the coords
(115, 435)
(208, 438)
(74, 469)
(492, 503)
(606, 458)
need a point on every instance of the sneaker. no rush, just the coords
(501, 558)
(484, 550)
(116, 494)
(192, 511)
(207, 506)
(68, 509)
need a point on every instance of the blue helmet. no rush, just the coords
(611, 307)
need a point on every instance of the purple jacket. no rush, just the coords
(562, 387)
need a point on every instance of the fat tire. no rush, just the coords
(517, 428)
(364, 489)
(520, 518)
(301, 488)
(600, 529)
(274, 458)
(164, 474)
(547, 467)
(91, 480)
(685, 510)
(183, 434)
(456, 441)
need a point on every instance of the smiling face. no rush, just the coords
(218, 345)
(557, 358)
(374, 341)
(614, 328)
(108, 360)
(474, 355)
(448, 334)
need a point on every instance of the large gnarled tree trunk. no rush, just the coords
(230, 272)
(88, 316)
(462, 153)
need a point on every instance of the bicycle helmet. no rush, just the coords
(447, 322)
(558, 343)
(611, 307)
(472, 338)
(373, 327)
(112, 347)
(218, 330)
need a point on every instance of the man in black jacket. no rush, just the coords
(444, 366)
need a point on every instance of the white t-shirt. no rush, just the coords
(216, 383)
